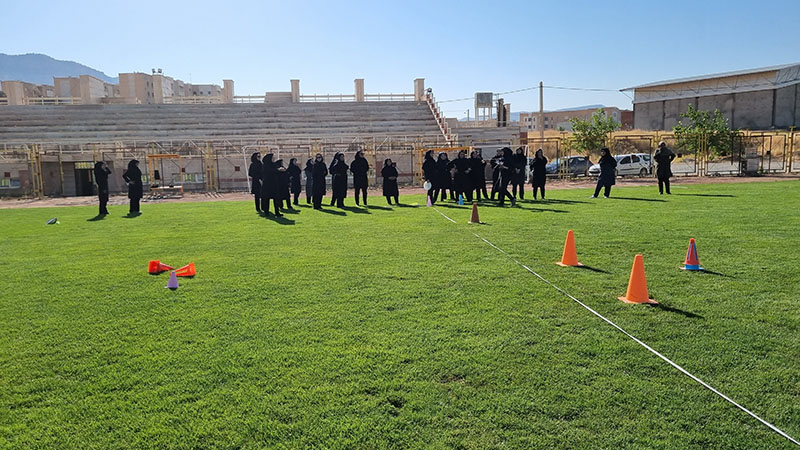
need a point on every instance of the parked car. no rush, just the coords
(574, 165)
(631, 164)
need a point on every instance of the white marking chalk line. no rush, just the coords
(634, 338)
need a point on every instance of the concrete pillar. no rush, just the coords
(227, 91)
(419, 89)
(15, 92)
(158, 88)
(295, 91)
(359, 82)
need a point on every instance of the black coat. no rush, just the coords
(309, 171)
(359, 167)
(269, 180)
(389, 186)
(519, 162)
(539, 171)
(495, 170)
(318, 172)
(255, 173)
(664, 159)
(101, 178)
(443, 178)
(339, 180)
(294, 178)
(461, 181)
(429, 170)
(281, 183)
(608, 175)
(133, 176)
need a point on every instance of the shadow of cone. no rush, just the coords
(691, 262)
(186, 271)
(474, 218)
(173, 281)
(637, 285)
(569, 258)
(155, 267)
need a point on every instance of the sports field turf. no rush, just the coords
(395, 328)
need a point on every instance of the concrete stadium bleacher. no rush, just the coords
(97, 123)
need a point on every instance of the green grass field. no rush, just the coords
(395, 328)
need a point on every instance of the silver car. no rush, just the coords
(630, 164)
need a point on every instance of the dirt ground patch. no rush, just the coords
(10, 203)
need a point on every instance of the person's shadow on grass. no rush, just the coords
(280, 220)
(382, 208)
(637, 199)
(97, 218)
(356, 210)
(332, 211)
(688, 314)
(132, 215)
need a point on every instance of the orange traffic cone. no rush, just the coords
(570, 256)
(186, 271)
(691, 262)
(474, 218)
(155, 267)
(637, 285)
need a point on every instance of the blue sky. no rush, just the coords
(458, 47)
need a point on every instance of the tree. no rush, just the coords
(590, 135)
(2, 94)
(711, 127)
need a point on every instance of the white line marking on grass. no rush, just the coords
(634, 338)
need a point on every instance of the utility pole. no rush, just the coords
(541, 113)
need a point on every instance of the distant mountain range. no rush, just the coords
(40, 69)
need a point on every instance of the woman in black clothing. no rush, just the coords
(294, 179)
(429, 175)
(663, 157)
(495, 170)
(608, 173)
(269, 185)
(318, 173)
(359, 168)
(478, 175)
(309, 172)
(461, 181)
(282, 183)
(339, 179)
(101, 172)
(255, 175)
(538, 173)
(133, 177)
(389, 174)
(505, 168)
(443, 175)
(518, 174)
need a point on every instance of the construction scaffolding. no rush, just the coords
(65, 169)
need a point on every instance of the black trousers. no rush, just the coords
(296, 197)
(600, 185)
(494, 187)
(520, 187)
(662, 183)
(535, 188)
(103, 196)
(318, 201)
(433, 193)
(502, 191)
(134, 205)
(258, 203)
(276, 203)
(389, 199)
(363, 190)
(481, 186)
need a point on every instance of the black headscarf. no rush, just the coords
(254, 157)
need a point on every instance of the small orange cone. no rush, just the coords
(474, 218)
(186, 271)
(155, 267)
(637, 285)
(570, 256)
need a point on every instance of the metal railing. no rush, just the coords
(389, 97)
(194, 100)
(440, 119)
(53, 101)
(327, 98)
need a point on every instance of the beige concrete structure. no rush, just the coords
(359, 89)
(556, 120)
(764, 98)
(419, 89)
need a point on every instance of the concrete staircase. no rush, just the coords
(279, 122)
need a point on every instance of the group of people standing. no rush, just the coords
(270, 181)
(608, 170)
(464, 176)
